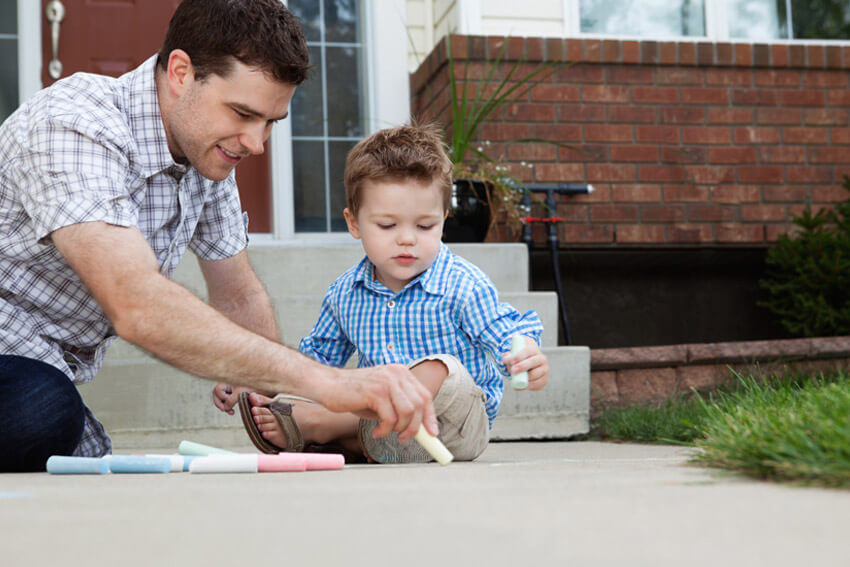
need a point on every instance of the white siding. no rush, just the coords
(427, 22)
(528, 18)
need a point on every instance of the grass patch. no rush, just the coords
(793, 429)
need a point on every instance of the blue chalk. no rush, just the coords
(76, 465)
(123, 464)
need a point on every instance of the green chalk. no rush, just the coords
(198, 450)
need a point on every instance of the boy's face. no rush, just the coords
(217, 122)
(400, 224)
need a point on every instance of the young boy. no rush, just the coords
(409, 301)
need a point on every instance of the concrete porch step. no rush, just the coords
(146, 403)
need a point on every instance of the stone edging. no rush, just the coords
(630, 376)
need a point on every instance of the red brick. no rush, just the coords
(808, 174)
(534, 49)
(706, 135)
(574, 49)
(827, 117)
(725, 54)
(584, 152)
(605, 93)
(825, 79)
(735, 194)
(687, 53)
(830, 155)
(610, 173)
(559, 172)
(639, 234)
(681, 115)
(608, 133)
(683, 154)
(739, 233)
(761, 55)
(705, 96)
(631, 52)
(798, 55)
(705, 53)
(603, 389)
(555, 93)
(711, 175)
(781, 116)
(833, 56)
(805, 135)
(784, 194)
(732, 155)
(532, 152)
(658, 134)
(649, 54)
(581, 113)
(840, 135)
(557, 132)
(730, 116)
(630, 74)
(830, 194)
(779, 55)
(667, 95)
(586, 233)
(753, 135)
(678, 76)
(661, 173)
(816, 55)
(592, 50)
(530, 112)
(554, 47)
(633, 153)
(685, 233)
(754, 97)
(772, 78)
(763, 213)
(500, 131)
(631, 114)
(580, 74)
(710, 213)
(774, 231)
(783, 154)
(668, 53)
(759, 174)
(846, 51)
(636, 193)
(573, 213)
(802, 98)
(839, 98)
(662, 213)
(728, 77)
(613, 213)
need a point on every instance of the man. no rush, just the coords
(104, 184)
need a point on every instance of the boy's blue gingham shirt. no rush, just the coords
(451, 308)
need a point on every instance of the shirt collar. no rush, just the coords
(146, 121)
(433, 280)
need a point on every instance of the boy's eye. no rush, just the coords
(427, 226)
(386, 226)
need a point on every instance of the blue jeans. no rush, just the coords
(41, 414)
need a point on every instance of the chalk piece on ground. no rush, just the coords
(76, 465)
(128, 464)
(199, 450)
(434, 446)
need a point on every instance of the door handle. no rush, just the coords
(55, 12)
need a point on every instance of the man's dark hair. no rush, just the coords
(259, 33)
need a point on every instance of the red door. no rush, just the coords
(111, 37)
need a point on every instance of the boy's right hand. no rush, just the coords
(226, 396)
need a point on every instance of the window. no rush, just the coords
(655, 18)
(327, 111)
(8, 57)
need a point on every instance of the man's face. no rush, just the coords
(218, 121)
(400, 224)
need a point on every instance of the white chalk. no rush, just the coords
(224, 464)
(434, 446)
(177, 461)
(519, 381)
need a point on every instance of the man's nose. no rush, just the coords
(253, 139)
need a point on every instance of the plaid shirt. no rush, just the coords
(451, 308)
(93, 148)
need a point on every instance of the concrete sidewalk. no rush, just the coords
(557, 503)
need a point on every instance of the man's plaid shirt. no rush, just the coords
(93, 148)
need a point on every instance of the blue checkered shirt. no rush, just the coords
(451, 308)
(93, 148)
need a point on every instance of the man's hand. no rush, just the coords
(532, 359)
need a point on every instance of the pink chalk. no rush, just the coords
(323, 461)
(283, 462)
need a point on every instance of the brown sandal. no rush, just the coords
(282, 412)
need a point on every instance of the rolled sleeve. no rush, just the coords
(222, 230)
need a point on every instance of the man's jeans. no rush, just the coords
(41, 414)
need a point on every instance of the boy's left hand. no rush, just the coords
(530, 358)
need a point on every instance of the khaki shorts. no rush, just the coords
(459, 405)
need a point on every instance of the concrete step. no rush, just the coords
(308, 269)
(146, 403)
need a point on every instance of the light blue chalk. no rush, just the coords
(199, 450)
(76, 465)
(126, 464)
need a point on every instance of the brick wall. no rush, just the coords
(685, 143)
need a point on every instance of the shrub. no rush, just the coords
(808, 274)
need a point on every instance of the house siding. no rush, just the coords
(685, 143)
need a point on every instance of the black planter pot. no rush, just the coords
(469, 218)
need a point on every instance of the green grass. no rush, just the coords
(794, 429)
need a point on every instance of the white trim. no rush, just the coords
(469, 17)
(387, 83)
(29, 48)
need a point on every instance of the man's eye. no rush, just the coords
(242, 114)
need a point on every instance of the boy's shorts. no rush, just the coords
(459, 405)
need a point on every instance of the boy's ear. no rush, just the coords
(351, 221)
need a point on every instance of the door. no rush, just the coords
(110, 37)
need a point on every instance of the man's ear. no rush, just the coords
(180, 71)
(351, 221)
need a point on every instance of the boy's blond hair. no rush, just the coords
(415, 152)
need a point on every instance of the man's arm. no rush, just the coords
(145, 308)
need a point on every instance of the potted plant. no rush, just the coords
(483, 183)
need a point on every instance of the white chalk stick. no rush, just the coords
(434, 446)
(519, 381)
(224, 464)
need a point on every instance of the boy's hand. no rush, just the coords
(530, 358)
(226, 396)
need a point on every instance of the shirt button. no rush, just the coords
(390, 303)
(390, 346)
